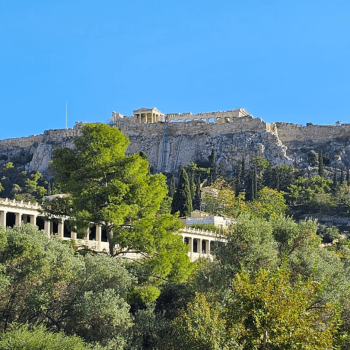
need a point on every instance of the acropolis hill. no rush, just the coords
(173, 140)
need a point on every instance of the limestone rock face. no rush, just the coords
(180, 150)
(170, 145)
(34, 152)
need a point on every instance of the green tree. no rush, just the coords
(271, 313)
(46, 283)
(116, 191)
(182, 201)
(172, 188)
(213, 168)
(196, 201)
(21, 337)
(268, 203)
(202, 326)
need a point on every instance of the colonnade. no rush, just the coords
(26, 212)
(201, 242)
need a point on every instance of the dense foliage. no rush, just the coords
(272, 285)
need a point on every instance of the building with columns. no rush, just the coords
(149, 115)
(15, 213)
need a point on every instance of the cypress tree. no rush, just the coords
(238, 181)
(320, 165)
(197, 198)
(277, 180)
(335, 178)
(192, 184)
(222, 169)
(252, 186)
(255, 184)
(342, 179)
(182, 200)
(243, 169)
(48, 189)
(348, 177)
(171, 191)
(213, 169)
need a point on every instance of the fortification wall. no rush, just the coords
(288, 132)
(21, 141)
(53, 134)
(247, 123)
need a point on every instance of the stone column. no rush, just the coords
(25, 218)
(73, 235)
(199, 244)
(3, 218)
(190, 242)
(32, 219)
(98, 237)
(61, 229)
(47, 227)
(18, 218)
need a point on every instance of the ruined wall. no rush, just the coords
(295, 132)
(333, 141)
(247, 123)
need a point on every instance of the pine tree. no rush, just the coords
(182, 200)
(171, 191)
(320, 165)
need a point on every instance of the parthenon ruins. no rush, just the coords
(153, 115)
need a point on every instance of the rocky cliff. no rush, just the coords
(169, 145)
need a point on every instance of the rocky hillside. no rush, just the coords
(169, 146)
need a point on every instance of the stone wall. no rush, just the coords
(247, 123)
(21, 141)
(295, 132)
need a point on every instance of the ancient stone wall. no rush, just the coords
(54, 134)
(21, 141)
(196, 127)
(296, 132)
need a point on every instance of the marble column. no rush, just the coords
(190, 242)
(32, 219)
(98, 237)
(3, 218)
(61, 228)
(47, 227)
(18, 220)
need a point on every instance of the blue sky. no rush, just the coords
(280, 60)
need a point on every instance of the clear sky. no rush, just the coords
(280, 60)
